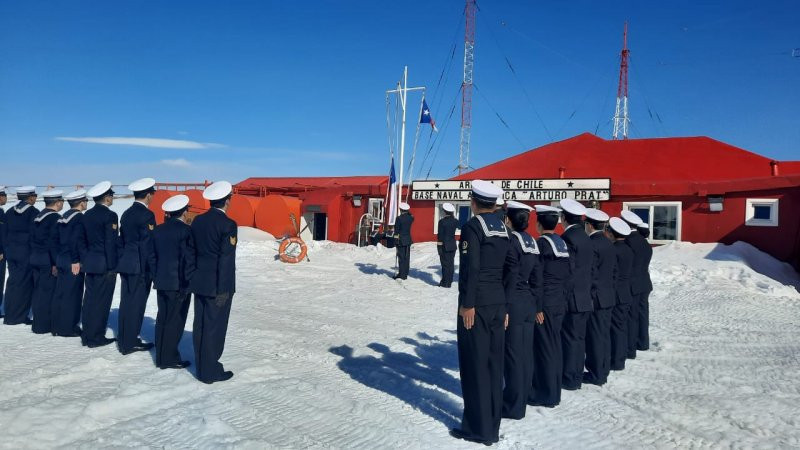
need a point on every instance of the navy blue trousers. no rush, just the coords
(132, 303)
(173, 307)
(547, 362)
(644, 322)
(448, 266)
(19, 292)
(480, 364)
(96, 306)
(211, 316)
(598, 346)
(2, 279)
(518, 363)
(67, 302)
(633, 325)
(619, 336)
(573, 347)
(44, 288)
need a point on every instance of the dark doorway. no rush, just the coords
(320, 226)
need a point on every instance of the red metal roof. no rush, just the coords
(301, 184)
(645, 161)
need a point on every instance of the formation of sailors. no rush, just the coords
(63, 270)
(536, 316)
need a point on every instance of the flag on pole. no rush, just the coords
(391, 205)
(426, 115)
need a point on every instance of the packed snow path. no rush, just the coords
(333, 353)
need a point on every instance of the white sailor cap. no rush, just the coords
(643, 225)
(631, 217)
(572, 207)
(449, 207)
(217, 190)
(500, 201)
(53, 194)
(404, 206)
(619, 226)
(596, 215)
(2, 190)
(511, 204)
(143, 184)
(80, 194)
(26, 190)
(175, 203)
(545, 210)
(486, 191)
(100, 189)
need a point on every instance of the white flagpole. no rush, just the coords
(402, 140)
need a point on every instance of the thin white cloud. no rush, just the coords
(180, 162)
(143, 142)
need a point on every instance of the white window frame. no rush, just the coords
(437, 207)
(371, 202)
(678, 222)
(749, 212)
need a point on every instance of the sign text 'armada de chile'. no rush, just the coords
(581, 189)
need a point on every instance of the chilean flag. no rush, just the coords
(391, 204)
(426, 115)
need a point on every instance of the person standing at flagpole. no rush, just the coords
(403, 230)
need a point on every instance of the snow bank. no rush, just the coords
(250, 234)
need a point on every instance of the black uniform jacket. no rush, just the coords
(624, 267)
(44, 239)
(556, 270)
(214, 236)
(101, 227)
(19, 228)
(175, 256)
(71, 239)
(484, 246)
(136, 230)
(402, 229)
(604, 268)
(447, 233)
(581, 254)
(640, 273)
(523, 271)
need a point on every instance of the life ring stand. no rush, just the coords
(292, 250)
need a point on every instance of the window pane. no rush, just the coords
(665, 223)
(643, 213)
(762, 212)
(464, 214)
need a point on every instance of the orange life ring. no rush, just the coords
(292, 250)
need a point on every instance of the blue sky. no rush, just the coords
(263, 88)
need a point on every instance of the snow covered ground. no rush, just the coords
(333, 353)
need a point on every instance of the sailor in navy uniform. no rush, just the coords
(99, 263)
(403, 228)
(482, 311)
(136, 267)
(175, 265)
(598, 330)
(523, 287)
(556, 270)
(579, 297)
(17, 247)
(214, 282)
(3, 199)
(446, 244)
(619, 315)
(640, 277)
(643, 342)
(69, 283)
(44, 250)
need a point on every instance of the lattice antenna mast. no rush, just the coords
(621, 119)
(466, 86)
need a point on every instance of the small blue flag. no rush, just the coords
(426, 115)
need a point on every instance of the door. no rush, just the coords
(320, 226)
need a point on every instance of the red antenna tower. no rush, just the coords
(466, 86)
(621, 120)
